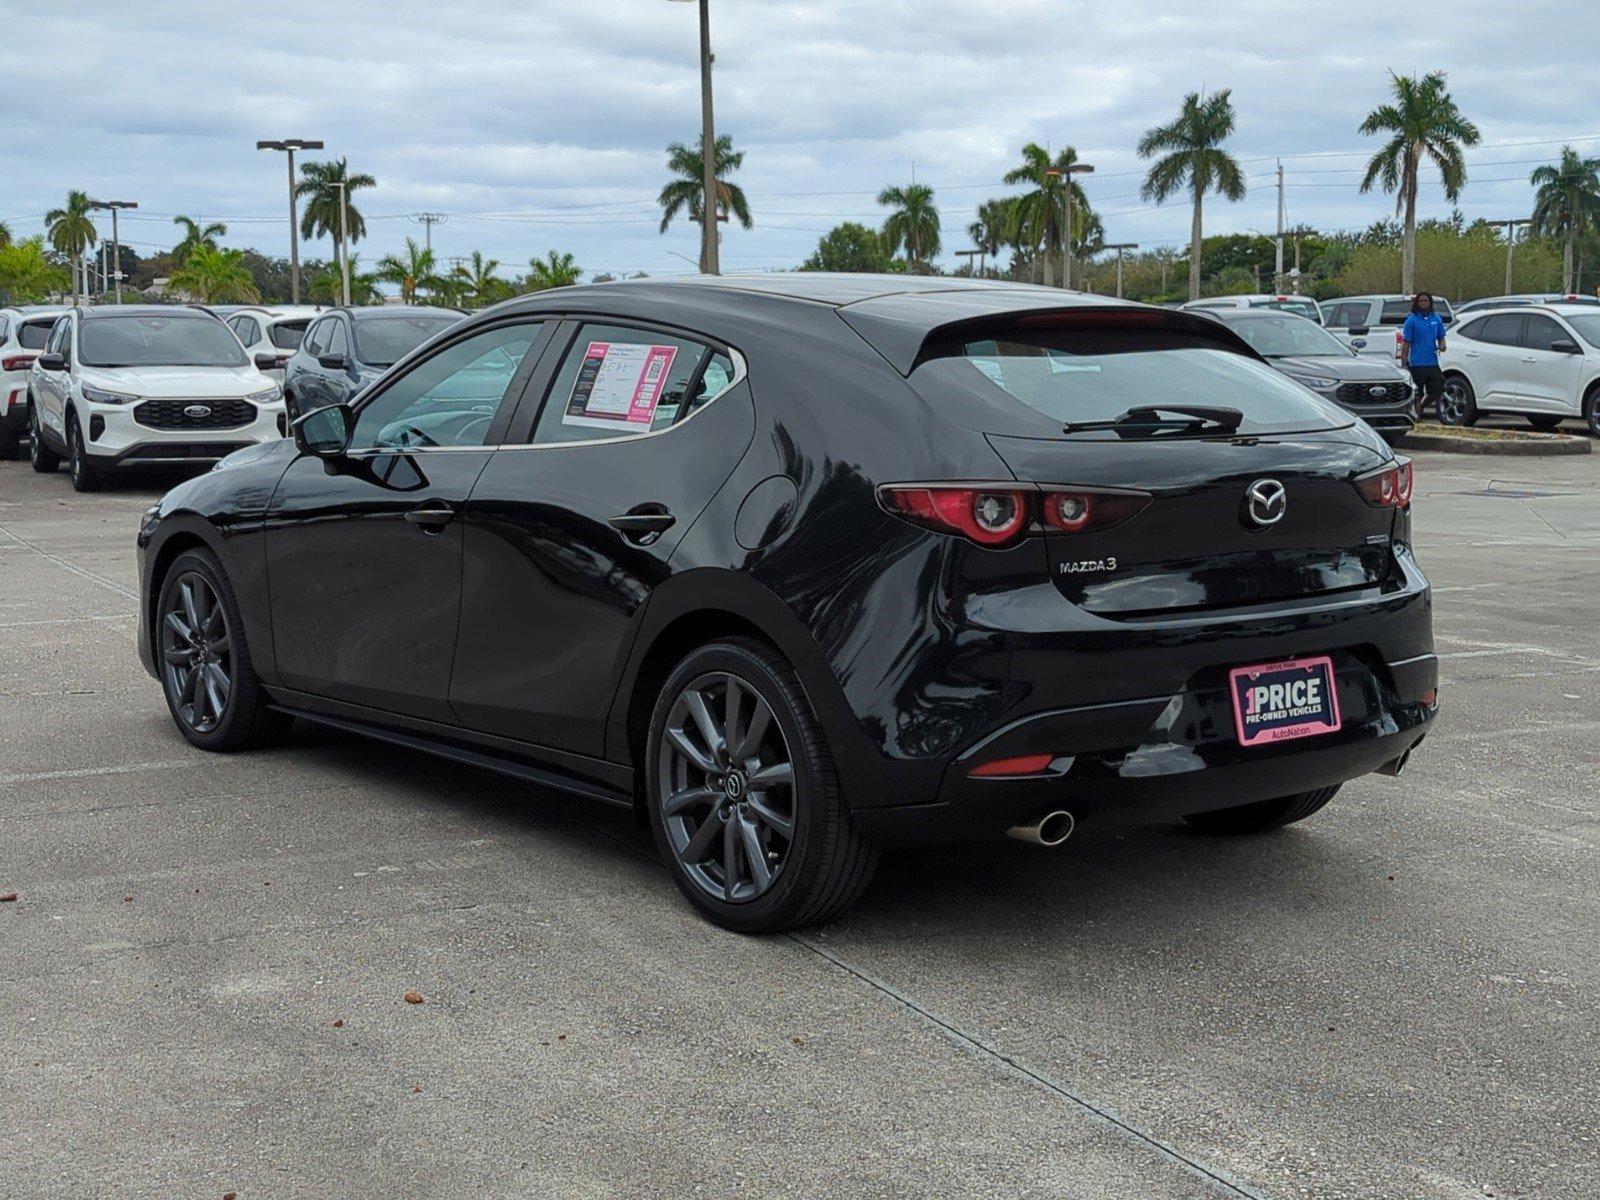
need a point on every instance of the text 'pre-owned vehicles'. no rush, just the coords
(1540, 362)
(127, 386)
(23, 333)
(345, 349)
(1378, 392)
(798, 565)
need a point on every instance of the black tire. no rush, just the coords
(1457, 403)
(245, 721)
(1263, 815)
(1545, 421)
(822, 865)
(40, 457)
(10, 444)
(86, 476)
(1591, 411)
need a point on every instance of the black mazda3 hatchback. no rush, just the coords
(800, 565)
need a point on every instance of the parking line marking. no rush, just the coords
(65, 565)
(87, 772)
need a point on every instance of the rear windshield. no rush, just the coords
(159, 341)
(1395, 312)
(286, 335)
(1300, 308)
(32, 335)
(384, 341)
(1099, 374)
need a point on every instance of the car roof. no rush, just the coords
(1384, 296)
(280, 310)
(366, 312)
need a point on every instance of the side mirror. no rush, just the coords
(52, 362)
(325, 432)
(1565, 346)
(334, 362)
(267, 362)
(1359, 330)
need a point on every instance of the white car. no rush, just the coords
(126, 386)
(1515, 301)
(1300, 306)
(1541, 361)
(272, 331)
(23, 332)
(1371, 324)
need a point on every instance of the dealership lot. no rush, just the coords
(204, 974)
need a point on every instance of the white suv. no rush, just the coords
(23, 333)
(1300, 306)
(272, 331)
(125, 386)
(1540, 361)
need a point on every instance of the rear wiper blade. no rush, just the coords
(1149, 417)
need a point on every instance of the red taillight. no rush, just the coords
(17, 362)
(1390, 487)
(997, 515)
(1011, 768)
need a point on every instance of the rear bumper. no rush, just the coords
(14, 402)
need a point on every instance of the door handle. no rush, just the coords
(431, 517)
(643, 523)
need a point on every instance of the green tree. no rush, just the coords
(992, 230)
(215, 276)
(684, 193)
(318, 188)
(1461, 264)
(1038, 217)
(1422, 119)
(71, 233)
(478, 283)
(912, 223)
(1192, 157)
(195, 235)
(412, 272)
(26, 274)
(1567, 204)
(327, 286)
(848, 247)
(554, 270)
(5, 234)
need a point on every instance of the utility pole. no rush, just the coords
(709, 258)
(1511, 224)
(116, 245)
(291, 145)
(1066, 192)
(1277, 257)
(429, 220)
(344, 239)
(1119, 247)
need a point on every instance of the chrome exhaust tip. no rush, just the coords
(1049, 828)
(1395, 765)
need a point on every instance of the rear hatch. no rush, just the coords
(1052, 395)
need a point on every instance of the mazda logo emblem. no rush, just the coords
(1265, 502)
(197, 411)
(1379, 392)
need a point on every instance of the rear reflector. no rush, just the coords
(1011, 768)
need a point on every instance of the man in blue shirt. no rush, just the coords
(1421, 340)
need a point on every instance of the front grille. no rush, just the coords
(1361, 393)
(174, 414)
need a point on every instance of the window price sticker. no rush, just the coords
(619, 385)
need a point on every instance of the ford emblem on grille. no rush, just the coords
(198, 411)
(1378, 393)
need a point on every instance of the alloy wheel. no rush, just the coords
(196, 652)
(75, 464)
(727, 787)
(1453, 402)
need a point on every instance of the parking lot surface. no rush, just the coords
(204, 974)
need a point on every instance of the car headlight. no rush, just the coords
(269, 395)
(100, 396)
(1321, 382)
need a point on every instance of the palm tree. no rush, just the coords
(1039, 216)
(194, 235)
(1567, 204)
(328, 287)
(215, 276)
(992, 229)
(553, 271)
(913, 222)
(685, 193)
(71, 232)
(1192, 155)
(478, 282)
(1423, 120)
(414, 271)
(321, 215)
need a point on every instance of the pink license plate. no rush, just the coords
(1277, 702)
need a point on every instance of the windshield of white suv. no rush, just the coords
(384, 341)
(158, 341)
(1288, 337)
(1587, 325)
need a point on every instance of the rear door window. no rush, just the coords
(1502, 329)
(620, 381)
(1394, 312)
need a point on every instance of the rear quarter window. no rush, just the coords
(32, 335)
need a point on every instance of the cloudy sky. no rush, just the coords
(540, 124)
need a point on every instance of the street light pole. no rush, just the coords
(709, 257)
(290, 145)
(116, 245)
(1119, 247)
(1066, 193)
(344, 240)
